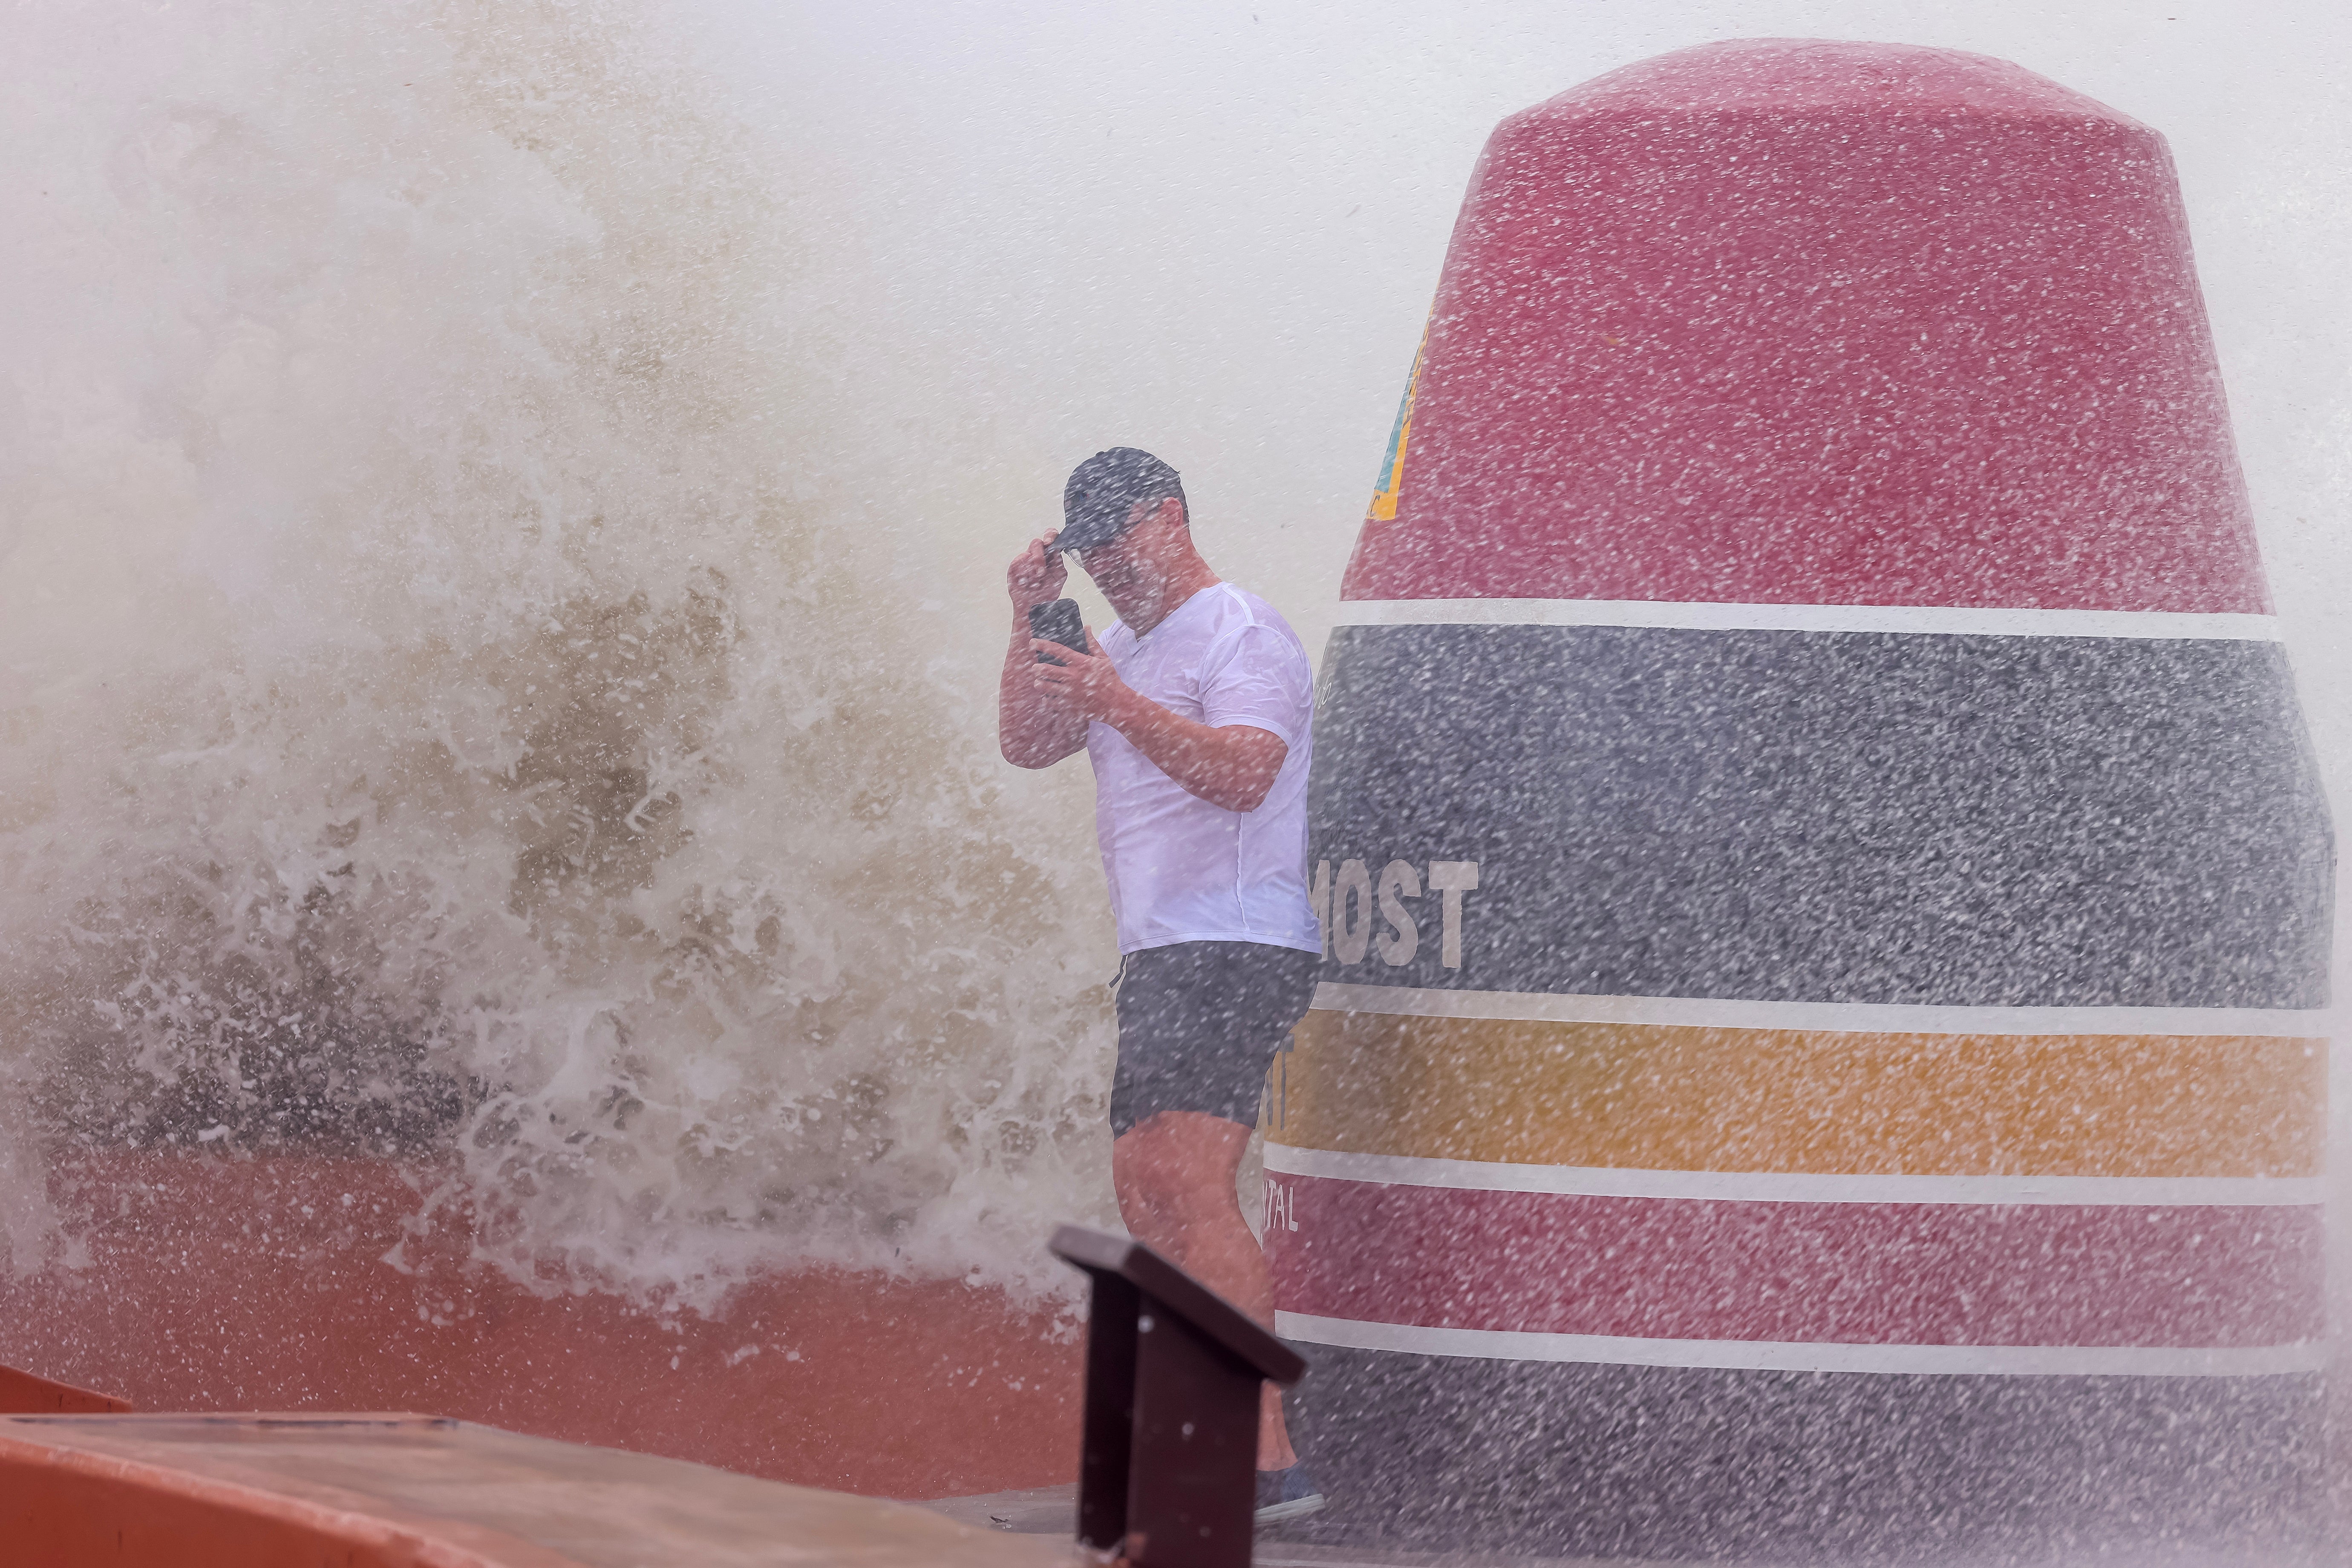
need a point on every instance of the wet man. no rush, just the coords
(1195, 708)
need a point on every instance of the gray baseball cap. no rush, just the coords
(1101, 497)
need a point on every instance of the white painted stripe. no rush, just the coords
(1795, 1187)
(1775, 1356)
(1919, 619)
(1717, 1013)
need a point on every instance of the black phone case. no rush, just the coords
(1059, 621)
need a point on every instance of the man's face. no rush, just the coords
(1133, 558)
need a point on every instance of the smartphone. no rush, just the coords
(1060, 622)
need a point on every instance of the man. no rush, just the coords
(1196, 709)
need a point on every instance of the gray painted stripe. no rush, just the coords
(1797, 1186)
(1903, 820)
(1912, 619)
(1568, 1461)
(1773, 1355)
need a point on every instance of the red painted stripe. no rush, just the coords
(1691, 344)
(1842, 1273)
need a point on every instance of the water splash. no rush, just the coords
(443, 717)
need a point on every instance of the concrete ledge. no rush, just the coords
(399, 1490)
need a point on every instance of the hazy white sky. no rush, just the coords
(1213, 229)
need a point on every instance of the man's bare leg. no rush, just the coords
(1174, 1174)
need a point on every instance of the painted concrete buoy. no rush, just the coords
(1827, 891)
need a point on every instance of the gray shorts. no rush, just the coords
(1199, 1023)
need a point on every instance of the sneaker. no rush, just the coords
(1287, 1494)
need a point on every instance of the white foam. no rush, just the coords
(426, 643)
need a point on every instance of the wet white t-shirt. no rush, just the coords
(1179, 868)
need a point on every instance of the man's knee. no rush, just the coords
(1163, 1200)
(1177, 1169)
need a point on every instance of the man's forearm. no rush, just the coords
(1031, 731)
(1231, 765)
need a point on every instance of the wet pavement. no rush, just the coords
(1053, 1510)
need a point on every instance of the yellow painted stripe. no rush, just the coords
(1681, 1097)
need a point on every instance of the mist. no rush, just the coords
(1219, 230)
(360, 360)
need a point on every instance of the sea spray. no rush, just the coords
(442, 717)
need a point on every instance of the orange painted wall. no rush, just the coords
(74, 1511)
(215, 1283)
(22, 1394)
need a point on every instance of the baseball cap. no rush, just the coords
(1101, 496)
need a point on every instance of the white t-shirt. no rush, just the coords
(1179, 868)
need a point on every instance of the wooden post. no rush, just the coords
(1168, 1473)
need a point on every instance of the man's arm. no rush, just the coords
(1032, 729)
(1229, 766)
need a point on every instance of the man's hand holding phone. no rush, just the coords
(1085, 684)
